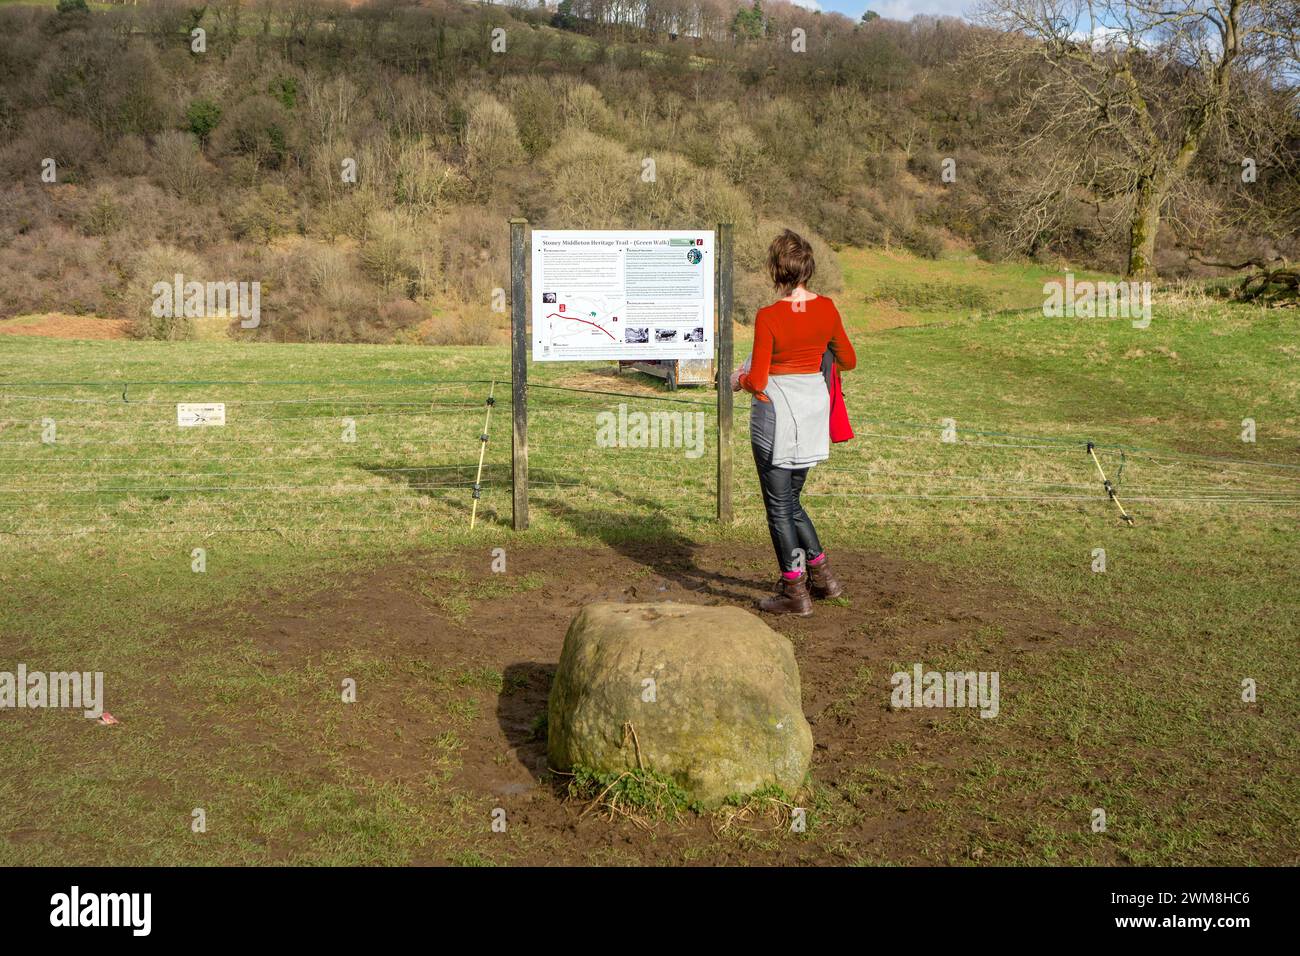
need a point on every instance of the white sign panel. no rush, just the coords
(622, 294)
(194, 414)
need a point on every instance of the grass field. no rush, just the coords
(936, 290)
(328, 558)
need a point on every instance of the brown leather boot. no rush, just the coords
(791, 597)
(821, 582)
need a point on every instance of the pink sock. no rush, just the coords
(792, 575)
(817, 560)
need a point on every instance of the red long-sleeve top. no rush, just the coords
(790, 342)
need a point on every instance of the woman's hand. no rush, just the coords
(735, 376)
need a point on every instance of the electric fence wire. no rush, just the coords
(184, 471)
(841, 469)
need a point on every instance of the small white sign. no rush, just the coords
(194, 414)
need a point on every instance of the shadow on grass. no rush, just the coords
(650, 540)
(436, 481)
(453, 485)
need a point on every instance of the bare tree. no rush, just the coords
(1140, 84)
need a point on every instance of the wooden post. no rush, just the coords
(519, 374)
(726, 358)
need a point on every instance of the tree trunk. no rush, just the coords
(1144, 226)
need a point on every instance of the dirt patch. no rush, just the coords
(451, 615)
(627, 381)
(57, 325)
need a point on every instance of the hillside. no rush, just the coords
(359, 161)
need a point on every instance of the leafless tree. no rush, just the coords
(1139, 84)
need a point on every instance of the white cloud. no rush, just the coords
(1102, 37)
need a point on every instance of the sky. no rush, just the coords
(893, 9)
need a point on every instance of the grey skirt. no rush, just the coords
(792, 430)
(762, 419)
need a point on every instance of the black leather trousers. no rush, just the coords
(787, 522)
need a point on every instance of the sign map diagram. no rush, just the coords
(581, 319)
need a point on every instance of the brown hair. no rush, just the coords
(790, 261)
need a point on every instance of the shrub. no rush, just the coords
(265, 214)
(472, 256)
(203, 115)
(397, 314)
(349, 215)
(52, 268)
(259, 128)
(103, 215)
(152, 215)
(178, 166)
(739, 155)
(390, 254)
(73, 144)
(129, 156)
(786, 127)
(925, 241)
(538, 112)
(584, 108)
(284, 89)
(591, 181)
(422, 179)
(134, 95)
(491, 139)
(160, 263)
(314, 292)
(475, 327)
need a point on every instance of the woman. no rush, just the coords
(789, 417)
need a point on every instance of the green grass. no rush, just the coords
(1144, 720)
(935, 290)
(932, 296)
(644, 795)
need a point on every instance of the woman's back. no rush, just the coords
(790, 417)
(790, 338)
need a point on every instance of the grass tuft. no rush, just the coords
(642, 796)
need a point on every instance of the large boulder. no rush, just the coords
(709, 696)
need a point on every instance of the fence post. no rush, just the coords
(726, 358)
(519, 375)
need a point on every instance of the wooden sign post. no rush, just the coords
(519, 374)
(726, 358)
(519, 346)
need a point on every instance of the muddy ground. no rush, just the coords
(899, 612)
(56, 325)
